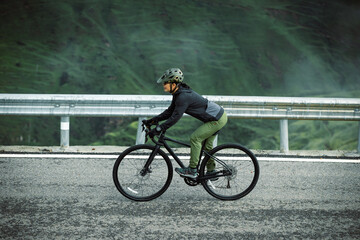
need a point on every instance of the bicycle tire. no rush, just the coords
(129, 181)
(244, 168)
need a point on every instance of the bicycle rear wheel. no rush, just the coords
(237, 172)
(129, 178)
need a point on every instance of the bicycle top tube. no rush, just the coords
(162, 139)
(176, 141)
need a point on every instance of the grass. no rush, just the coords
(242, 48)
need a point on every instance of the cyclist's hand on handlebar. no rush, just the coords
(149, 122)
(155, 132)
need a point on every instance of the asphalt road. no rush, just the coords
(76, 199)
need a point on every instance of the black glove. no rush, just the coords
(155, 132)
(149, 122)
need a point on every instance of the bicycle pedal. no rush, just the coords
(193, 177)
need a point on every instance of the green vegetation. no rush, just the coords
(232, 47)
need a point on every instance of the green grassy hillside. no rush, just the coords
(233, 47)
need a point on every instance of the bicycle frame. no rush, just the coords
(163, 142)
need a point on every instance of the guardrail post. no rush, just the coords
(284, 136)
(140, 135)
(64, 131)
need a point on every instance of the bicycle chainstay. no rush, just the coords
(221, 163)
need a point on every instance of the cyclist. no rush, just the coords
(185, 100)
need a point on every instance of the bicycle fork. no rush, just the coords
(146, 169)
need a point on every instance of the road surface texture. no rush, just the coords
(55, 198)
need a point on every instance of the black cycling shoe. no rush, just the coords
(187, 172)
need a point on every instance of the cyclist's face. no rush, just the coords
(167, 86)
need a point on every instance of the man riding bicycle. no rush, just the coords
(185, 100)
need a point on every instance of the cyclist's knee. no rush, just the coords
(194, 138)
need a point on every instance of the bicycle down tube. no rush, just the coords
(169, 149)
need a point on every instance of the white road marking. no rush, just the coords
(110, 156)
(17, 155)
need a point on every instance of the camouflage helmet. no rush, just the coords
(174, 75)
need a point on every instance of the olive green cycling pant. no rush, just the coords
(205, 133)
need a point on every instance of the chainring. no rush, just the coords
(190, 182)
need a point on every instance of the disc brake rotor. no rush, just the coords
(233, 171)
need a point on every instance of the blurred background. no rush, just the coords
(232, 47)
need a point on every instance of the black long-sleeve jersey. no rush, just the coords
(185, 100)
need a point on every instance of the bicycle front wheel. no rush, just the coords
(137, 183)
(236, 172)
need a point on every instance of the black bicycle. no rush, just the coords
(144, 172)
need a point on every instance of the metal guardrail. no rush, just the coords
(282, 108)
